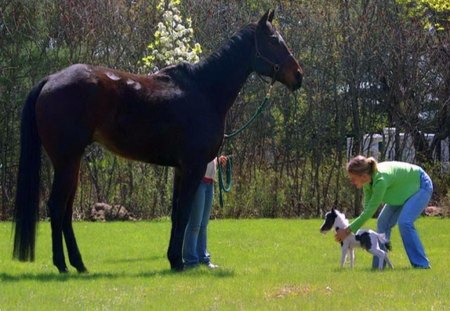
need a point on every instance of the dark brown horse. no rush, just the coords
(174, 117)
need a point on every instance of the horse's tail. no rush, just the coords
(27, 194)
(383, 240)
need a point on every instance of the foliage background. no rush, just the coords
(368, 65)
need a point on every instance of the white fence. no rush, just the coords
(375, 144)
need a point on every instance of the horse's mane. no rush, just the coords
(224, 59)
(342, 217)
(231, 51)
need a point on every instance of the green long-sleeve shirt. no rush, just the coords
(393, 183)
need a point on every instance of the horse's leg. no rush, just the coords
(352, 257)
(388, 262)
(344, 250)
(186, 184)
(381, 256)
(63, 183)
(175, 192)
(69, 236)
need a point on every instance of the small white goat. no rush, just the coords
(365, 238)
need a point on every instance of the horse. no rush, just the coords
(174, 117)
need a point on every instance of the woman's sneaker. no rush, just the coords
(210, 265)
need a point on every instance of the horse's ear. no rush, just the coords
(264, 18)
(271, 15)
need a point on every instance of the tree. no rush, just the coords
(434, 14)
(172, 40)
(368, 65)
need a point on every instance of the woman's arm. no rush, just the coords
(373, 197)
(371, 204)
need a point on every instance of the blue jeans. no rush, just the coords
(195, 237)
(405, 216)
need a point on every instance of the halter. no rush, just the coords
(275, 66)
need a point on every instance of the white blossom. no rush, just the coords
(173, 39)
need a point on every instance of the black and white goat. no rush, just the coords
(365, 238)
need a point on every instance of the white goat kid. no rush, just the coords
(364, 238)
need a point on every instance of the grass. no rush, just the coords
(266, 264)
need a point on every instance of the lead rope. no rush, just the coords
(226, 187)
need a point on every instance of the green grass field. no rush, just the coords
(266, 264)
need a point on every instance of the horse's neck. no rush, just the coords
(224, 72)
(341, 222)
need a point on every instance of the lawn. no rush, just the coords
(265, 264)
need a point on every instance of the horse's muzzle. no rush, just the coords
(298, 80)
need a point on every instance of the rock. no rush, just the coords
(433, 211)
(106, 212)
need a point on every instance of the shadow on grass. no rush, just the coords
(131, 260)
(55, 277)
(370, 269)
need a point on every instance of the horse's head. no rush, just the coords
(334, 219)
(272, 56)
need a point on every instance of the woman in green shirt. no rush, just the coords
(404, 188)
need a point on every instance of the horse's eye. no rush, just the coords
(274, 39)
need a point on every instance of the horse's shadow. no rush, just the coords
(56, 277)
(133, 260)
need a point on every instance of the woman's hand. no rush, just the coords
(341, 234)
(223, 160)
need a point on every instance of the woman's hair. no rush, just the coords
(360, 165)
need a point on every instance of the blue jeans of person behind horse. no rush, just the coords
(405, 216)
(195, 238)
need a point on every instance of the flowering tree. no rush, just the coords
(173, 40)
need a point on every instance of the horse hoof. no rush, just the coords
(82, 270)
(177, 267)
(63, 270)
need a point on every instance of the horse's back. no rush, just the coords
(145, 118)
(74, 104)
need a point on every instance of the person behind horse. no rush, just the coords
(404, 188)
(195, 239)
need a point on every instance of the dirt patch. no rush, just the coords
(289, 290)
